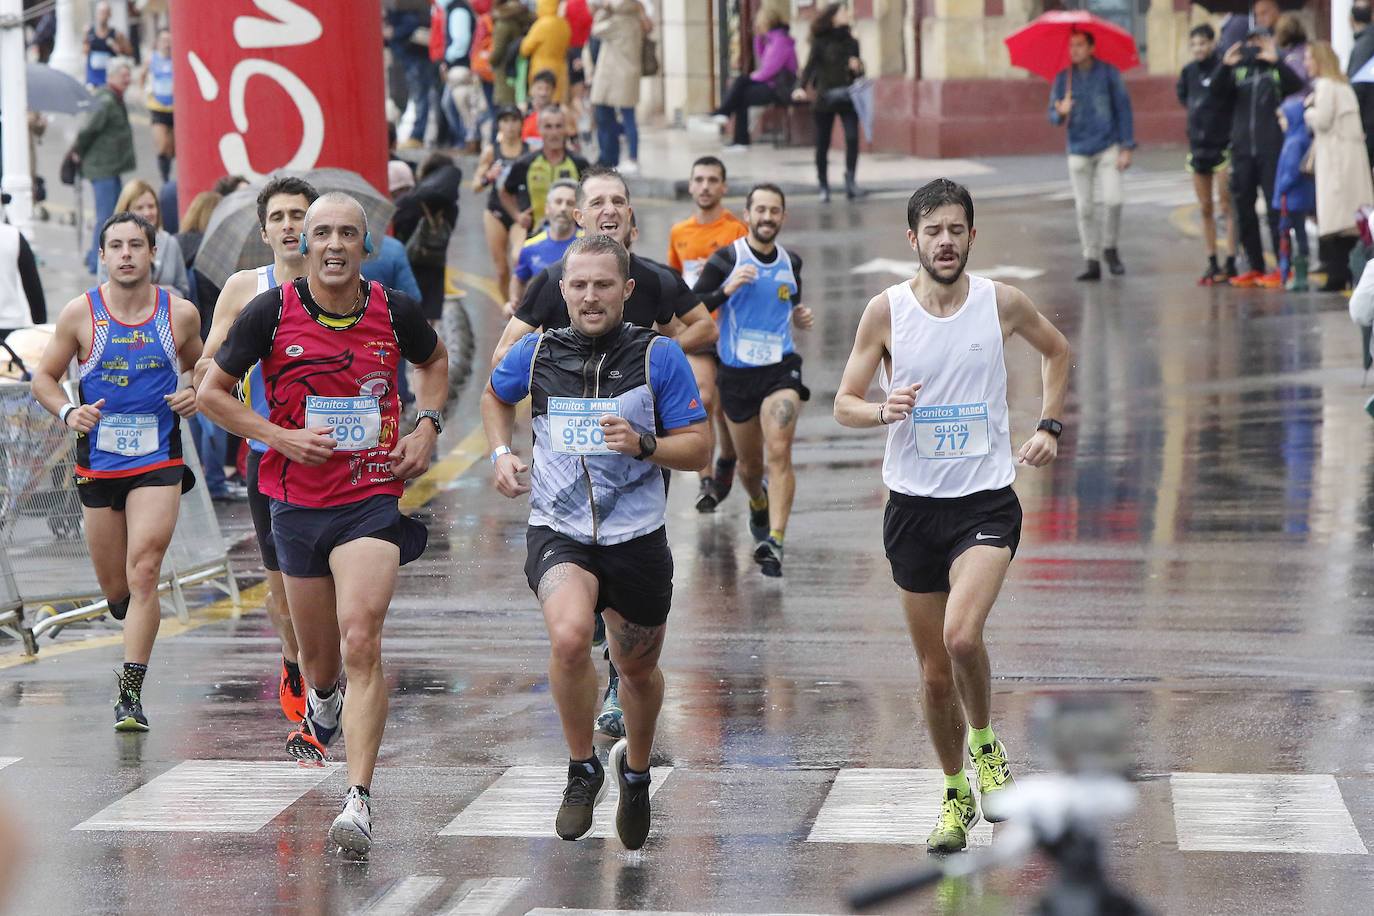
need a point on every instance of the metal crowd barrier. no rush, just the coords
(41, 532)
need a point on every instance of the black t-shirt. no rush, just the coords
(710, 285)
(531, 176)
(659, 294)
(250, 339)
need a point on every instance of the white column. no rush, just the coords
(14, 101)
(1342, 37)
(66, 48)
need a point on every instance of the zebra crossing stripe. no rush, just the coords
(225, 796)
(6, 761)
(485, 896)
(525, 800)
(1261, 812)
(885, 806)
(403, 898)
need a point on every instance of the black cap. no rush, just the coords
(509, 111)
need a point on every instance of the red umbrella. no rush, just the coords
(1042, 47)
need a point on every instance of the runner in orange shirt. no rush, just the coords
(690, 243)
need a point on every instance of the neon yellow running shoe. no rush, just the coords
(958, 814)
(994, 777)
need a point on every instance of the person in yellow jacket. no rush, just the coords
(546, 45)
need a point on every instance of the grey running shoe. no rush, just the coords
(611, 721)
(632, 814)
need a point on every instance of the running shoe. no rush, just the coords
(758, 520)
(352, 829)
(632, 813)
(580, 798)
(129, 715)
(768, 554)
(611, 720)
(1249, 278)
(1271, 280)
(706, 496)
(1212, 275)
(292, 693)
(599, 637)
(322, 722)
(725, 478)
(994, 777)
(958, 814)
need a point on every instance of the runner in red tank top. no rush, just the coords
(331, 346)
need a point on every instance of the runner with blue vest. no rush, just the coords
(102, 43)
(952, 522)
(157, 89)
(282, 205)
(133, 340)
(612, 405)
(756, 285)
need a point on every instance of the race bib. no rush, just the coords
(575, 425)
(162, 86)
(951, 431)
(132, 435)
(100, 59)
(758, 348)
(355, 423)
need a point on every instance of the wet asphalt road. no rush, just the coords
(1200, 552)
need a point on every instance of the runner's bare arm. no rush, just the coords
(872, 348)
(186, 328)
(214, 394)
(238, 290)
(64, 344)
(411, 456)
(698, 332)
(1020, 316)
(515, 329)
(498, 421)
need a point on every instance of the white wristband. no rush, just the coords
(500, 450)
(66, 409)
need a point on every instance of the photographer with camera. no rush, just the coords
(1252, 81)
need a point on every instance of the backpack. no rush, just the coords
(438, 30)
(481, 49)
(428, 244)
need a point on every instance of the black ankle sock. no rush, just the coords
(367, 795)
(292, 668)
(1212, 262)
(632, 775)
(328, 692)
(589, 767)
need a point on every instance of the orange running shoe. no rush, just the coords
(1248, 278)
(1271, 280)
(292, 693)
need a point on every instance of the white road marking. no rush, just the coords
(408, 894)
(226, 796)
(525, 800)
(485, 896)
(885, 806)
(1259, 812)
(6, 761)
(908, 268)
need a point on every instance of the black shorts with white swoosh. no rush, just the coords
(924, 535)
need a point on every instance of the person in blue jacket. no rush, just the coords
(1295, 191)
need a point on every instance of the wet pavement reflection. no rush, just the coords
(1200, 551)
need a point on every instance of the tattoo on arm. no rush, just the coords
(634, 640)
(552, 581)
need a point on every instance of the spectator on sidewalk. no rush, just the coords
(169, 268)
(1295, 193)
(435, 192)
(21, 289)
(1264, 14)
(1291, 37)
(621, 26)
(546, 45)
(1253, 81)
(104, 146)
(1341, 163)
(1361, 14)
(579, 17)
(461, 97)
(831, 65)
(541, 97)
(511, 19)
(1090, 97)
(772, 80)
(402, 28)
(1209, 135)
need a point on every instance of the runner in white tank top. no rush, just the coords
(952, 521)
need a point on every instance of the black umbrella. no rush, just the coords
(54, 91)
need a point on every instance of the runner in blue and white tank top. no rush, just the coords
(157, 88)
(952, 522)
(756, 285)
(282, 205)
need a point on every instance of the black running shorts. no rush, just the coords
(113, 492)
(742, 390)
(636, 577)
(924, 535)
(1207, 161)
(305, 536)
(260, 507)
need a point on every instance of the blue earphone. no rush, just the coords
(367, 244)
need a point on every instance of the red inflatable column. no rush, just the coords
(263, 85)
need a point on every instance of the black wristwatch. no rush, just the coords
(1051, 426)
(433, 417)
(648, 444)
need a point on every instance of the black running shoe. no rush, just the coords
(768, 555)
(758, 520)
(632, 813)
(580, 798)
(706, 498)
(129, 716)
(725, 478)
